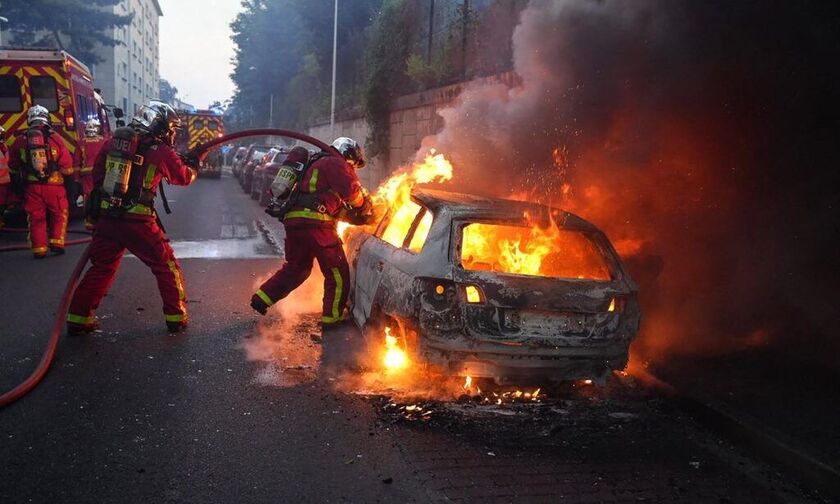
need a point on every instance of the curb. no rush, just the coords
(746, 431)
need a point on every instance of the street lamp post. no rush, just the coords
(2, 20)
(335, 47)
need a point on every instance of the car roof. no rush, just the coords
(483, 207)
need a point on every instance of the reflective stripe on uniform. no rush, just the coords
(262, 295)
(331, 320)
(136, 209)
(308, 214)
(79, 319)
(339, 288)
(179, 284)
(313, 181)
(180, 317)
(39, 250)
(150, 176)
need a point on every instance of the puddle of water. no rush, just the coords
(251, 248)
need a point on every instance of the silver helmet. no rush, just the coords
(93, 128)
(351, 150)
(38, 115)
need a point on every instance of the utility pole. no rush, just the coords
(335, 49)
(431, 31)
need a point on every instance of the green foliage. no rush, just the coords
(425, 75)
(167, 92)
(394, 32)
(77, 26)
(284, 50)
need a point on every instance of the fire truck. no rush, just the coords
(198, 127)
(59, 82)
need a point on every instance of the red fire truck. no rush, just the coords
(198, 127)
(59, 82)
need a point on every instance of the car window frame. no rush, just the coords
(415, 223)
(597, 238)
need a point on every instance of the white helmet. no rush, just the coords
(38, 115)
(351, 150)
(93, 128)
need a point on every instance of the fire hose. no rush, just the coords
(26, 246)
(58, 323)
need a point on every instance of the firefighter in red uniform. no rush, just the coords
(39, 160)
(126, 177)
(322, 192)
(93, 142)
(5, 176)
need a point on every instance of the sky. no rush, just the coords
(196, 50)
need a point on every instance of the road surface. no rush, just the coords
(237, 410)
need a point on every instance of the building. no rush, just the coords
(129, 76)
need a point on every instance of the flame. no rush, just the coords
(395, 194)
(395, 358)
(532, 249)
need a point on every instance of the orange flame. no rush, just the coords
(395, 357)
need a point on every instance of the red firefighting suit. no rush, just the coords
(44, 197)
(92, 146)
(138, 231)
(311, 234)
(5, 180)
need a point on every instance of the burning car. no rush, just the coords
(507, 290)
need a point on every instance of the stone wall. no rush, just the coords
(413, 117)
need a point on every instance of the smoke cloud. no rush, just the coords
(699, 136)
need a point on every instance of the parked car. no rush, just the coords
(434, 270)
(254, 157)
(248, 156)
(238, 158)
(264, 175)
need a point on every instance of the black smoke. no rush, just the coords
(701, 136)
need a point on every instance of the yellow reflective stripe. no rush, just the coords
(308, 214)
(136, 209)
(339, 287)
(78, 319)
(313, 181)
(175, 318)
(262, 295)
(331, 320)
(56, 241)
(179, 284)
(150, 176)
(39, 250)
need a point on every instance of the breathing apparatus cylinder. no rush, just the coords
(119, 162)
(36, 143)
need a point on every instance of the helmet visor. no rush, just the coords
(145, 117)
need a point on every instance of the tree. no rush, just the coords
(77, 26)
(167, 92)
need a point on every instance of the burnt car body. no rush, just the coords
(510, 327)
(264, 175)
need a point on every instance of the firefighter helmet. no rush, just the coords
(351, 150)
(93, 128)
(38, 115)
(157, 119)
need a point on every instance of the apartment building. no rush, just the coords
(129, 76)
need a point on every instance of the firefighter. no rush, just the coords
(5, 176)
(39, 161)
(126, 176)
(93, 142)
(320, 193)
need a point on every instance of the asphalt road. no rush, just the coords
(237, 410)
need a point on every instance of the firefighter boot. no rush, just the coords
(74, 330)
(56, 250)
(259, 305)
(176, 327)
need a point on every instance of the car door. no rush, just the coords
(384, 264)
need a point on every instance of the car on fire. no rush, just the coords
(456, 275)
